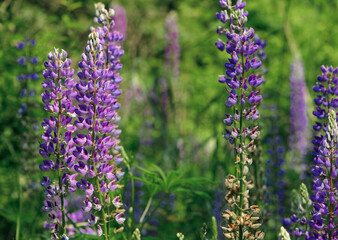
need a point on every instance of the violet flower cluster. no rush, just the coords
(327, 92)
(299, 122)
(172, 50)
(241, 131)
(324, 221)
(81, 141)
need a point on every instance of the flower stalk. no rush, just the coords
(325, 208)
(58, 97)
(96, 151)
(240, 81)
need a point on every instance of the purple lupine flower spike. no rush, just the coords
(324, 171)
(241, 131)
(325, 197)
(299, 123)
(172, 51)
(97, 145)
(57, 98)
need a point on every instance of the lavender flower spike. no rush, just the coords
(96, 141)
(120, 19)
(241, 131)
(299, 123)
(325, 197)
(172, 51)
(57, 99)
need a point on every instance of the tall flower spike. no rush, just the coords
(172, 51)
(299, 123)
(325, 164)
(325, 196)
(96, 140)
(120, 20)
(57, 99)
(241, 131)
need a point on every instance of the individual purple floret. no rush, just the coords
(241, 130)
(172, 51)
(95, 154)
(57, 98)
(299, 123)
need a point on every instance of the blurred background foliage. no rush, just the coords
(186, 136)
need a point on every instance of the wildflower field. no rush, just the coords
(170, 119)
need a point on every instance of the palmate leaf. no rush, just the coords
(9, 214)
(171, 182)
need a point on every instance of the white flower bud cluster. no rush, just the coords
(57, 55)
(102, 15)
(94, 43)
(332, 130)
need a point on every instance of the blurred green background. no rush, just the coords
(190, 137)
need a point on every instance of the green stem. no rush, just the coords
(331, 206)
(73, 223)
(152, 212)
(105, 230)
(331, 161)
(132, 200)
(17, 234)
(146, 210)
(241, 165)
(128, 165)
